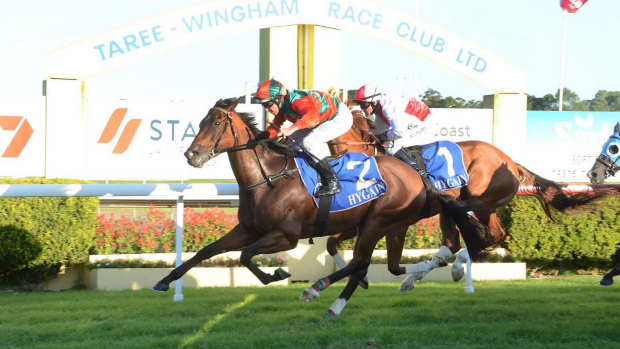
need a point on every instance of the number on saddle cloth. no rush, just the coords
(358, 175)
(444, 164)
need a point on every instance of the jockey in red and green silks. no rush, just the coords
(306, 109)
(317, 117)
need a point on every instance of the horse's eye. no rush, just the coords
(613, 149)
(217, 123)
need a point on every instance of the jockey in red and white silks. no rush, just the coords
(399, 122)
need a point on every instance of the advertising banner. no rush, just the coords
(147, 139)
(562, 146)
(22, 137)
(462, 124)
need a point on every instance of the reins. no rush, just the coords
(250, 145)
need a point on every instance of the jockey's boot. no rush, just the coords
(412, 161)
(329, 181)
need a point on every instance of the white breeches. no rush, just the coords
(315, 139)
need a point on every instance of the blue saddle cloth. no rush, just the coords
(444, 164)
(359, 178)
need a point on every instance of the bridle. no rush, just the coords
(251, 145)
(608, 162)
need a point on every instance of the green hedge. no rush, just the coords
(62, 226)
(579, 241)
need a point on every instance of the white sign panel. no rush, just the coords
(147, 139)
(462, 124)
(217, 18)
(563, 146)
(22, 137)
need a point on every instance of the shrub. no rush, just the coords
(156, 233)
(580, 241)
(19, 248)
(63, 227)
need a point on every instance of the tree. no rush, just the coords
(606, 101)
(547, 102)
(433, 99)
(571, 101)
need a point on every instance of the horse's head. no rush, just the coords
(606, 164)
(216, 132)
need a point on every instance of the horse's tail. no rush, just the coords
(474, 233)
(550, 194)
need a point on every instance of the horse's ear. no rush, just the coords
(233, 104)
(617, 128)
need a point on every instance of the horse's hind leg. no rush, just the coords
(343, 298)
(235, 239)
(332, 242)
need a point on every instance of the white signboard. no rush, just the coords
(462, 124)
(22, 137)
(147, 139)
(153, 35)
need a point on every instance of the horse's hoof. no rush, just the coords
(364, 283)
(406, 287)
(606, 282)
(330, 313)
(282, 274)
(309, 295)
(458, 273)
(161, 287)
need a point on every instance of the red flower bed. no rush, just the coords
(156, 233)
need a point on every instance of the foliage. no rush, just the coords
(603, 101)
(63, 227)
(263, 261)
(156, 233)
(425, 234)
(434, 99)
(19, 247)
(579, 241)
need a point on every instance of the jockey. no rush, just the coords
(316, 117)
(399, 124)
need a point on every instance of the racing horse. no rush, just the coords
(494, 179)
(605, 166)
(275, 209)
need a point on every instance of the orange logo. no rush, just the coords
(21, 137)
(111, 128)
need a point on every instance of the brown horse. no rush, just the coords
(275, 209)
(494, 180)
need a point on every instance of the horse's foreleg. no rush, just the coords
(274, 241)
(451, 244)
(233, 240)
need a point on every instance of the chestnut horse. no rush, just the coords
(275, 209)
(493, 181)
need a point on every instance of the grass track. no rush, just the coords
(564, 312)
